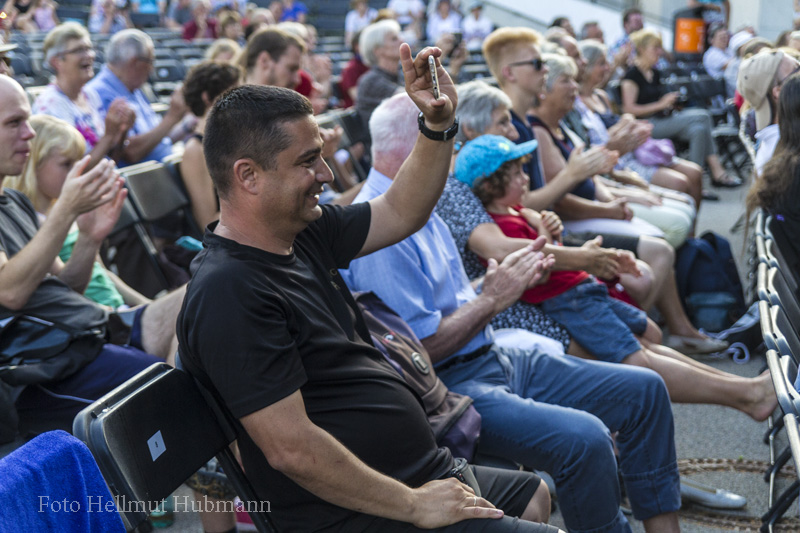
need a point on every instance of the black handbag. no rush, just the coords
(34, 350)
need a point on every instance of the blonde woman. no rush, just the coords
(643, 96)
(54, 151)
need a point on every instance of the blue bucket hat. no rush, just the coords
(482, 156)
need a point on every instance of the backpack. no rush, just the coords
(455, 422)
(708, 282)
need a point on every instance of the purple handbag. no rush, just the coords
(655, 152)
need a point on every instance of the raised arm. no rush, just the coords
(316, 461)
(408, 203)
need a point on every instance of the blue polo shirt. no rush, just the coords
(421, 278)
(108, 87)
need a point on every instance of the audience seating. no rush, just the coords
(156, 194)
(131, 254)
(151, 434)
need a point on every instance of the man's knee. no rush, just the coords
(538, 508)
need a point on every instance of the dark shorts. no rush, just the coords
(509, 490)
(621, 242)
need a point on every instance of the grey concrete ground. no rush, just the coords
(701, 431)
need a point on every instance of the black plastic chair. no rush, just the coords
(153, 432)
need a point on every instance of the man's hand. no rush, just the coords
(98, 223)
(583, 163)
(602, 262)
(627, 263)
(443, 502)
(118, 118)
(505, 283)
(618, 209)
(84, 192)
(439, 113)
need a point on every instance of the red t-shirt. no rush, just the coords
(560, 281)
(354, 69)
(306, 85)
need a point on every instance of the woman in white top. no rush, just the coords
(444, 20)
(360, 16)
(68, 50)
(476, 27)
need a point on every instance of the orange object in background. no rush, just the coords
(689, 36)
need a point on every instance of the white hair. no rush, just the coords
(477, 100)
(374, 36)
(393, 128)
(126, 45)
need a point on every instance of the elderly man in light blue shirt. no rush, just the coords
(539, 407)
(130, 55)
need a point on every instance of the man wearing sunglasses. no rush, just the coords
(514, 59)
(760, 80)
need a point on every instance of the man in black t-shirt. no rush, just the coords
(34, 282)
(331, 435)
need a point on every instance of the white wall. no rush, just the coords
(538, 14)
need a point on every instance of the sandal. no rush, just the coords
(725, 180)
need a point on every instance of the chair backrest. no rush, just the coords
(767, 330)
(793, 434)
(762, 286)
(780, 294)
(784, 386)
(152, 433)
(786, 336)
(153, 191)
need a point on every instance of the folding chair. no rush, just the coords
(784, 372)
(138, 267)
(156, 195)
(780, 294)
(151, 434)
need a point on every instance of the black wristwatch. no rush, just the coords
(445, 135)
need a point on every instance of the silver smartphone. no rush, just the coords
(434, 77)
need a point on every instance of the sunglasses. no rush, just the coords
(6, 60)
(536, 63)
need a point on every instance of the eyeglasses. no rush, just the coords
(80, 50)
(792, 73)
(537, 63)
(147, 59)
(6, 60)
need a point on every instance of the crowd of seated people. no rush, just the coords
(537, 211)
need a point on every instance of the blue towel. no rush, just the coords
(53, 484)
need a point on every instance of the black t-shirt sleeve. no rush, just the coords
(344, 230)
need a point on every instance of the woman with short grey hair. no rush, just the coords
(68, 51)
(483, 109)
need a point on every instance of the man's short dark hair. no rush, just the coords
(558, 22)
(630, 12)
(270, 40)
(247, 122)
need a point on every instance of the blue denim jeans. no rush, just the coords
(557, 413)
(603, 325)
